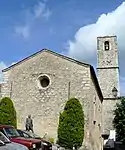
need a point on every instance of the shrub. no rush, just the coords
(51, 140)
(71, 125)
(7, 112)
(119, 120)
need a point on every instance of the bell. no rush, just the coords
(107, 47)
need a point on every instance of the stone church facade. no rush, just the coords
(41, 84)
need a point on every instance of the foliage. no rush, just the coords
(48, 138)
(51, 140)
(119, 120)
(71, 125)
(7, 112)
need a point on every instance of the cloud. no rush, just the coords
(83, 47)
(84, 44)
(2, 66)
(23, 31)
(39, 11)
(13, 63)
(47, 14)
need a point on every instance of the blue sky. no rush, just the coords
(27, 26)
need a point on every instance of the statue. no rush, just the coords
(29, 124)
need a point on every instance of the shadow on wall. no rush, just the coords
(7, 112)
(119, 146)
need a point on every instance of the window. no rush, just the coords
(3, 138)
(106, 45)
(11, 132)
(32, 135)
(26, 135)
(23, 134)
(44, 81)
(1, 130)
(2, 143)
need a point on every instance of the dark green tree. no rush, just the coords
(71, 125)
(119, 119)
(7, 112)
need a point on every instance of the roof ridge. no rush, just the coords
(50, 51)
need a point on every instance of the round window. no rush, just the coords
(44, 81)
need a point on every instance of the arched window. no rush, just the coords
(106, 45)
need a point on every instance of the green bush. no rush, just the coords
(119, 120)
(7, 112)
(51, 140)
(71, 125)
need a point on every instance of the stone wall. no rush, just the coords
(109, 106)
(108, 77)
(108, 68)
(45, 104)
(108, 80)
(96, 125)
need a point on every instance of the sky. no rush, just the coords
(68, 27)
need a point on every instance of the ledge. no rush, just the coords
(108, 67)
(112, 98)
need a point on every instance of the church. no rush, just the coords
(41, 84)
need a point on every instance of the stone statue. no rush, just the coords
(29, 124)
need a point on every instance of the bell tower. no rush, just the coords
(108, 76)
(108, 68)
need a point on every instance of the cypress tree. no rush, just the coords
(71, 125)
(7, 112)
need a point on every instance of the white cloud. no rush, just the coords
(23, 31)
(39, 11)
(47, 14)
(83, 46)
(13, 63)
(2, 66)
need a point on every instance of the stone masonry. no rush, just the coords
(65, 78)
(108, 76)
